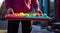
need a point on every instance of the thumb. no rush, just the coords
(10, 10)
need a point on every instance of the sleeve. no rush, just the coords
(8, 4)
(35, 4)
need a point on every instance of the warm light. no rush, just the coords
(1, 1)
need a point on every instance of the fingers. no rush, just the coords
(10, 10)
(40, 12)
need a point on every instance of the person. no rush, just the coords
(18, 6)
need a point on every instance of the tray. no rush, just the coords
(12, 17)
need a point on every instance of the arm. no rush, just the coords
(35, 4)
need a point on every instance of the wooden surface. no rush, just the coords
(3, 31)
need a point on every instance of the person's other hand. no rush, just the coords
(10, 10)
(39, 11)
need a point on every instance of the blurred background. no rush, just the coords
(50, 7)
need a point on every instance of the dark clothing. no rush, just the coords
(13, 26)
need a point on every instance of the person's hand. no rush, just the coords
(10, 10)
(39, 11)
